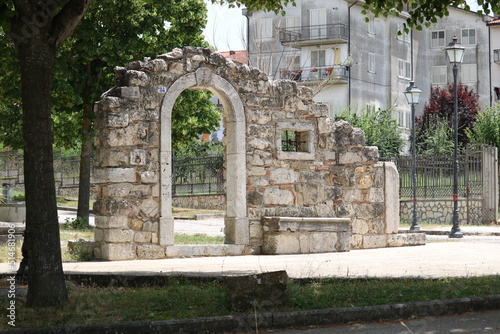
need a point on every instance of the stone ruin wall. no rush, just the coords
(334, 176)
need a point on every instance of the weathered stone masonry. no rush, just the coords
(332, 175)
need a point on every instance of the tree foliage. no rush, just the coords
(112, 33)
(487, 128)
(437, 139)
(441, 107)
(381, 130)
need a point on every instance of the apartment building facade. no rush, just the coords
(350, 61)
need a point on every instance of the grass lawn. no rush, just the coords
(189, 298)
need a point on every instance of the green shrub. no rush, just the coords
(78, 223)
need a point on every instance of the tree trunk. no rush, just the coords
(46, 286)
(85, 165)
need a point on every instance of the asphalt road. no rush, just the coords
(484, 322)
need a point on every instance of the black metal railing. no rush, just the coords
(331, 72)
(435, 176)
(339, 32)
(197, 176)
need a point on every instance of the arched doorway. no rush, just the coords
(236, 229)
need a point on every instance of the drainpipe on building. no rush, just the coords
(349, 52)
(245, 12)
(489, 66)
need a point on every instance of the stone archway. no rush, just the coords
(297, 181)
(236, 222)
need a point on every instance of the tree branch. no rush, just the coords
(67, 19)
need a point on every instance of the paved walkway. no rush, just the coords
(474, 255)
(441, 257)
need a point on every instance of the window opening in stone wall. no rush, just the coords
(294, 141)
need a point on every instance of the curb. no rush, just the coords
(439, 232)
(266, 321)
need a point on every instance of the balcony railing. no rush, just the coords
(333, 73)
(307, 35)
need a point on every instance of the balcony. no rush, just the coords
(335, 74)
(312, 35)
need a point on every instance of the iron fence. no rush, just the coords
(11, 167)
(191, 176)
(196, 176)
(435, 175)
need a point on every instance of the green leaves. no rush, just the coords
(380, 127)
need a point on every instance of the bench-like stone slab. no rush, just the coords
(303, 235)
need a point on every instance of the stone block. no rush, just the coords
(356, 241)
(117, 252)
(283, 176)
(302, 235)
(142, 237)
(349, 157)
(116, 190)
(149, 177)
(136, 78)
(135, 224)
(132, 93)
(118, 235)
(106, 222)
(107, 158)
(114, 175)
(150, 252)
(364, 181)
(406, 239)
(259, 292)
(391, 195)
(374, 241)
(360, 226)
(117, 120)
(112, 207)
(137, 157)
(275, 196)
(150, 208)
(132, 135)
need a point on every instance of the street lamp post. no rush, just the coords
(455, 53)
(412, 95)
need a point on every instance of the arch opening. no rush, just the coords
(236, 228)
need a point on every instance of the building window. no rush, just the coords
(264, 28)
(468, 36)
(371, 25)
(469, 73)
(437, 39)
(318, 58)
(408, 70)
(496, 56)
(439, 75)
(371, 62)
(402, 35)
(317, 22)
(401, 68)
(293, 23)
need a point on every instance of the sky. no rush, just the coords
(226, 27)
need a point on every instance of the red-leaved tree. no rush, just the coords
(439, 108)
